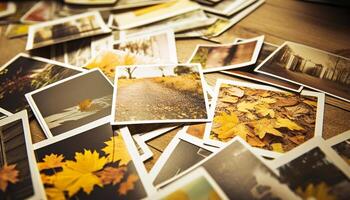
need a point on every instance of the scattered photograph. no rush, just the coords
(107, 60)
(179, 23)
(314, 173)
(159, 45)
(72, 103)
(341, 144)
(77, 52)
(241, 174)
(265, 117)
(227, 56)
(16, 30)
(90, 2)
(173, 162)
(249, 73)
(148, 15)
(19, 176)
(94, 164)
(24, 74)
(66, 29)
(41, 12)
(159, 94)
(310, 67)
(197, 185)
(7, 8)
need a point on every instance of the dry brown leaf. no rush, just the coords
(128, 185)
(111, 175)
(296, 111)
(255, 142)
(8, 174)
(286, 123)
(283, 102)
(297, 139)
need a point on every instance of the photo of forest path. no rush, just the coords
(160, 93)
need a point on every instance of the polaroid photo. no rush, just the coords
(16, 30)
(310, 67)
(41, 12)
(66, 29)
(221, 25)
(179, 23)
(154, 13)
(196, 185)
(341, 144)
(228, 7)
(249, 73)
(159, 45)
(172, 161)
(171, 93)
(241, 174)
(108, 158)
(314, 167)
(20, 178)
(7, 8)
(78, 52)
(271, 120)
(23, 74)
(227, 56)
(107, 60)
(144, 151)
(90, 2)
(73, 103)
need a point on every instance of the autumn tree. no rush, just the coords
(161, 68)
(130, 71)
(181, 69)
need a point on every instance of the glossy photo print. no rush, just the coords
(24, 74)
(19, 176)
(72, 103)
(96, 163)
(159, 94)
(310, 67)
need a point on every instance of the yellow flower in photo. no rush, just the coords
(78, 174)
(51, 161)
(116, 150)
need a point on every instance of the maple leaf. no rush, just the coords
(320, 191)
(50, 180)
(128, 185)
(264, 110)
(263, 126)
(51, 161)
(298, 139)
(246, 106)
(54, 194)
(111, 175)
(250, 116)
(78, 174)
(117, 150)
(296, 111)
(224, 122)
(277, 147)
(284, 122)
(8, 174)
(238, 130)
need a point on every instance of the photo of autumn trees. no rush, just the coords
(271, 120)
(172, 92)
(101, 167)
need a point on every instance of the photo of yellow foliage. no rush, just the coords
(268, 119)
(106, 172)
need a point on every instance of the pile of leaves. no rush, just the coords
(65, 178)
(271, 120)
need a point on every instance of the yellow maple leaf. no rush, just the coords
(8, 174)
(246, 106)
(287, 123)
(50, 180)
(238, 130)
(116, 150)
(277, 147)
(263, 126)
(54, 194)
(224, 122)
(264, 110)
(128, 185)
(320, 191)
(78, 174)
(51, 161)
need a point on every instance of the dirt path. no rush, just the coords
(147, 100)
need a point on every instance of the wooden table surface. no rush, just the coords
(317, 25)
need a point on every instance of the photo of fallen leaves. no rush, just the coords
(272, 120)
(107, 171)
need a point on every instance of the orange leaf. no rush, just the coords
(8, 174)
(111, 175)
(255, 142)
(128, 185)
(196, 130)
